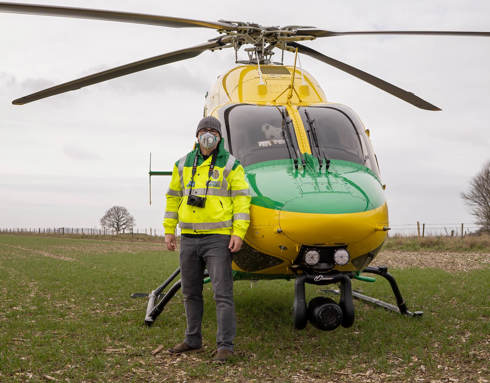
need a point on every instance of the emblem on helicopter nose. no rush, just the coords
(319, 278)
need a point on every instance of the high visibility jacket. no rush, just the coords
(227, 207)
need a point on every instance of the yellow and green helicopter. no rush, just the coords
(318, 212)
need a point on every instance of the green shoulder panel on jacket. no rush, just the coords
(223, 155)
(236, 164)
(189, 160)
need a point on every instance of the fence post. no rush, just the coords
(423, 230)
(462, 230)
(418, 229)
(452, 233)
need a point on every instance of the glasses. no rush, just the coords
(208, 130)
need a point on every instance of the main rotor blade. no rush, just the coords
(377, 82)
(98, 14)
(119, 71)
(324, 33)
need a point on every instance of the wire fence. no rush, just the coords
(83, 231)
(419, 229)
(422, 229)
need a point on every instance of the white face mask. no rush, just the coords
(208, 140)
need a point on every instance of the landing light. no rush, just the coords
(341, 257)
(312, 257)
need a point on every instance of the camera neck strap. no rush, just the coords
(211, 168)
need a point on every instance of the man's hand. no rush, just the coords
(235, 243)
(170, 242)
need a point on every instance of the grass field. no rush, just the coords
(66, 315)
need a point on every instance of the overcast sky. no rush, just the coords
(66, 159)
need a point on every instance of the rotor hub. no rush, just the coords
(263, 39)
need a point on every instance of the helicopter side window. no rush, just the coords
(255, 133)
(337, 135)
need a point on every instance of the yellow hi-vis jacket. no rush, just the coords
(227, 208)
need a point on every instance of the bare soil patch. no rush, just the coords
(39, 252)
(106, 247)
(448, 261)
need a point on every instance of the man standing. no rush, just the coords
(210, 200)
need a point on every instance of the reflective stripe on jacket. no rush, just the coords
(227, 208)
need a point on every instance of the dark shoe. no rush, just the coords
(182, 347)
(223, 355)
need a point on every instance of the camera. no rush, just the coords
(194, 200)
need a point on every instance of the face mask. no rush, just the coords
(207, 140)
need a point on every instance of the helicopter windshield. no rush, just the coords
(256, 133)
(337, 135)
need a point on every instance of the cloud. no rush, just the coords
(41, 200)
(426, 158)
(28, 85)
(77, 152)
(161, 80)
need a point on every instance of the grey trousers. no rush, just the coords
(196, 254)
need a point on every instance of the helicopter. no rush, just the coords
(318, 214)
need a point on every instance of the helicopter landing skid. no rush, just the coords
(400, 308)
(377, 302)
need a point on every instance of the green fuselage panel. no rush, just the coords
(346, 187)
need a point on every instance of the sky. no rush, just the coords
(66, 159)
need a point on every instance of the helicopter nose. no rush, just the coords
(338, 226)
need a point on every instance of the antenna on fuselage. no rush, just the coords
(261, 80)
(149, 179)
(293, 75)
(152, 173)
(291, 85)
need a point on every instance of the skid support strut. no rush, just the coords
(300, 316)
(383, 272)
(152, 310)
(400, 307)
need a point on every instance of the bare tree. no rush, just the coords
(478, 197)
(118, 219)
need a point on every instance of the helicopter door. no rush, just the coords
(255, 133)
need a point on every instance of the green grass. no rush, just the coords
(66, 314)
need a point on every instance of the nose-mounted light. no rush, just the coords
(312, 257)
(341, 257)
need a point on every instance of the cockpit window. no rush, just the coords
(256, 133)
(337, 135)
